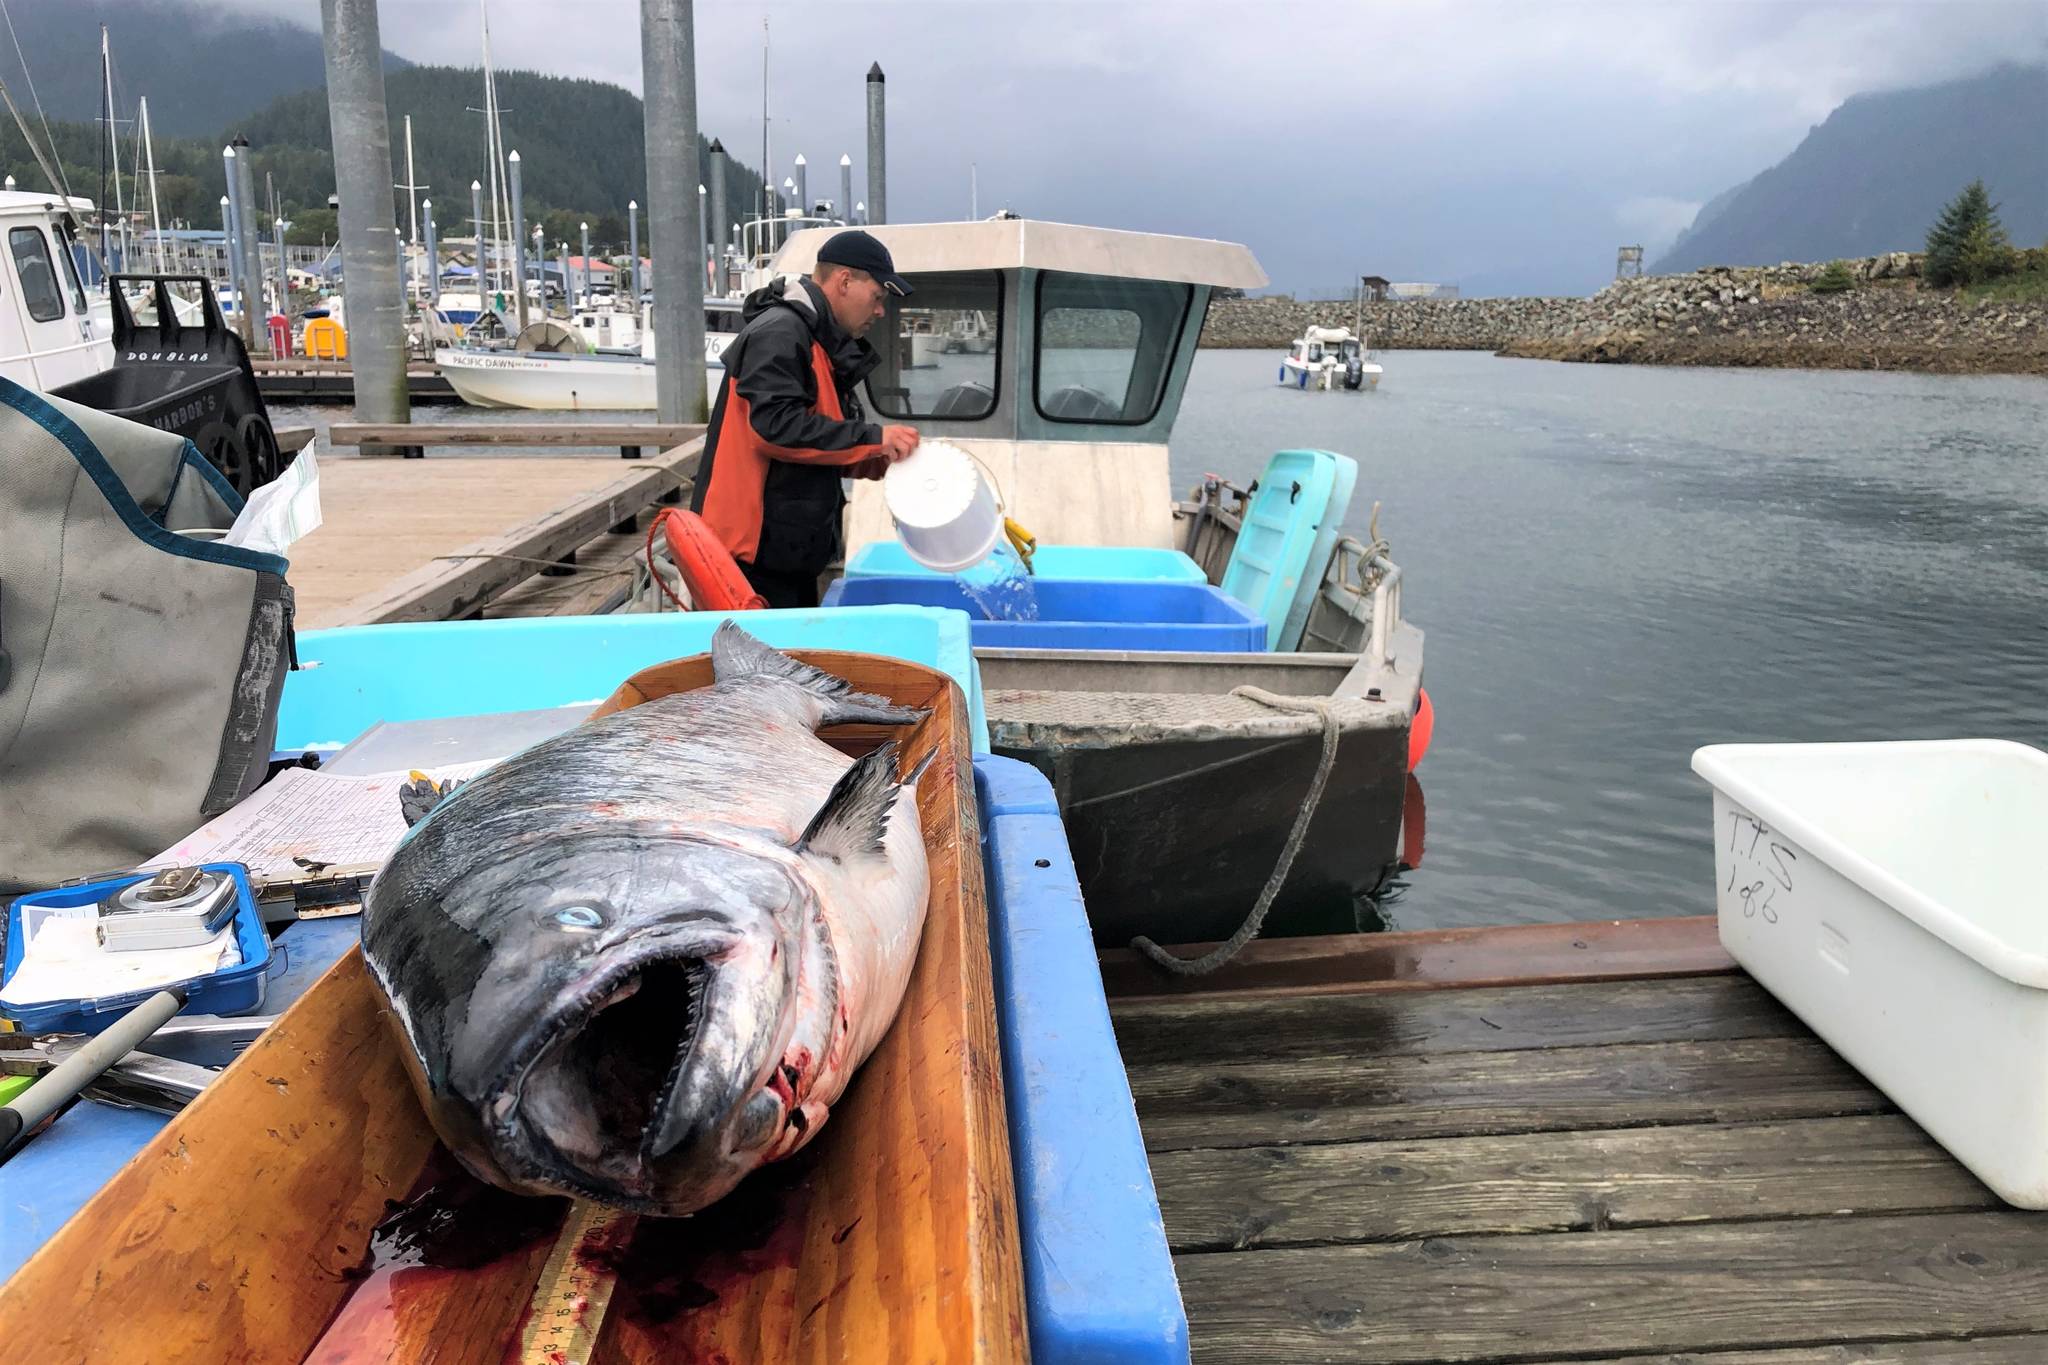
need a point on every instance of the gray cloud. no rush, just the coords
(1508, 144)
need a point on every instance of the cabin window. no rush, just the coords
(39, 287)
(67, 247)
(940, 347)
(1106, 346)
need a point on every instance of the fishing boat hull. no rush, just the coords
(1180, 797)
(550, 382)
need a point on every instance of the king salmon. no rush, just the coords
(641, 959)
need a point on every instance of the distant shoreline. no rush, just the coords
(1748, 316)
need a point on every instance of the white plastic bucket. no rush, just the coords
(946, 514)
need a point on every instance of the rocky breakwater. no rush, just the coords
(1872, 313)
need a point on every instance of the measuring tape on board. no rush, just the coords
(575, 1288)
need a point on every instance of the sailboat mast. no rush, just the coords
(107, 101)
(114, 146)
(766, 212)
(156, 221)
(491, 123)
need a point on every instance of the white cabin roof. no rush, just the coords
(13, 203)
(1023, 243)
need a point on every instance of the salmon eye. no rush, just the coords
(579, 917)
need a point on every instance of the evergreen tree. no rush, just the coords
(1967, 244)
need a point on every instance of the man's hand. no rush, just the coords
(898, 443)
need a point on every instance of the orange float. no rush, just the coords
(709, 571)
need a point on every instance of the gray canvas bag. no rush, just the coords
(140, 668)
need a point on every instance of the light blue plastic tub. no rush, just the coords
(352, 677)
(1128, 563)
(1289, 532)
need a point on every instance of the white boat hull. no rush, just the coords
(567, 383)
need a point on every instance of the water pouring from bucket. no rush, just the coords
(949, 516)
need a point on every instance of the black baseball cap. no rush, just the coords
(863, 252)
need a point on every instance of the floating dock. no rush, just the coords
(301, 379)
(1550, 1143)
(433, 540)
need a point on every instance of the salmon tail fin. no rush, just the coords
(736, 654)
(855, 815)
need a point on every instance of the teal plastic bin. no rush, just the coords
(352, 677)
(1289, 533)
(1126, 563)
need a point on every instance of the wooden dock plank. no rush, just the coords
(1337, 1099)
(649, 435)
(384, 519)
(1276, 1028)
(2027, 1349)
(1550, 1182)
(1565, 1295)
(460, 581)
(1432, 959)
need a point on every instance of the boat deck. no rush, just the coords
(1625, 1169)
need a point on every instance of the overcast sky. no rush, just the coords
(1507, 146)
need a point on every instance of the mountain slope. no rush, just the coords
(200, 66)
(1873, 176)
(580, 143)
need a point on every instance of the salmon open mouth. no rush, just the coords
(594, 1091)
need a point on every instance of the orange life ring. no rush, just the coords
(709, 571)
(1420, 729)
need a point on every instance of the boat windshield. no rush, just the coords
(1351, 350)
(938, 347)
(1106, 346)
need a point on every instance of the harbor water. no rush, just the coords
(1614, 565)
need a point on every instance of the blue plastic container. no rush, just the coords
(355, 676)
(1125, 563)
(1084, 614)
(1288, 534)
(1098, 1277)
(233, 990)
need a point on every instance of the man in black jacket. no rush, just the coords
(788, 425)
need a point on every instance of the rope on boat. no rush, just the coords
(1249, 930)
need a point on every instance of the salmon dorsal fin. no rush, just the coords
(856, 814)
(736, 655)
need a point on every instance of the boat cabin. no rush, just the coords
(50, 334)
(1057, 354)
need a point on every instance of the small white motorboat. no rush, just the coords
(1327, 358)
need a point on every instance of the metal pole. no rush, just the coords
(227, 234)
(568, 282)
(633, 246)
(433, 257)
(238, 232)
(669, 80)
(540, 266)
(284, 270)
(476, 216)
(518, 238)
(718, 237)
(584, 228)
(362, 178)
(878, 153)
(412, 186)
(803, 189)
(258, 336)
(845, 189)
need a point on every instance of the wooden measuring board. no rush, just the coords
(243, 1232)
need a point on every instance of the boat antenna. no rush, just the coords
(58, 183)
